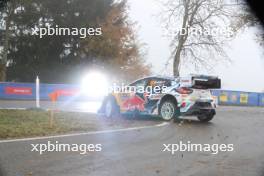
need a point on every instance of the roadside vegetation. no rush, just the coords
(24, 56)
(28, 123)
(32, 123)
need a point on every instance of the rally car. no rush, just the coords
(169, 98)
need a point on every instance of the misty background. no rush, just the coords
(244, 72)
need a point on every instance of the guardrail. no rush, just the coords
(27, 91)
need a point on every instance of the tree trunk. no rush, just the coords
(6, 45)
(2, 72)
(182, 38)
(176, 63)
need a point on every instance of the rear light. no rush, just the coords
(184, 90)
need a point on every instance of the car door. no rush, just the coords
(133, 98)
(154, 91)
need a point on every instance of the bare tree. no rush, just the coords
(199, 30)
(248, 19)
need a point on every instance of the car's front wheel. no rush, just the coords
(111, 107)
(168, 110)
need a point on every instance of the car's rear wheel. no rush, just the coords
(168, 110)
(111, 108)
(206, 117)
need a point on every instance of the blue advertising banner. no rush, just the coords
(21, 91)
(261, 99)
(228, 97)
(27, 91)
(64, 92)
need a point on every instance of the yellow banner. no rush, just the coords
(244, 98)
(223, 98)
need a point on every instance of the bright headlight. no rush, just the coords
(95, 84)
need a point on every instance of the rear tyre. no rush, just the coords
(168, 110)
(206, 117)
(111, 108)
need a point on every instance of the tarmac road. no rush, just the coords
(140, 151)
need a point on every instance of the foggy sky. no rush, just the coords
(244, 73)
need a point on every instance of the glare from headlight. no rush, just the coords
(95, 84)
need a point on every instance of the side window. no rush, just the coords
(139, 86)
(158, 84)
(138, 83)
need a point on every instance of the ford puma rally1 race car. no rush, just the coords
(169, 98)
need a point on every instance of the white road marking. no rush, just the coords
(13, 108)
(81, 134)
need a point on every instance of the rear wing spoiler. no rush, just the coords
(201, 82)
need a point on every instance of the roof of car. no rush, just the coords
(160, 76)
(157, 76)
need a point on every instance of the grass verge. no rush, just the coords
(30, 123)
